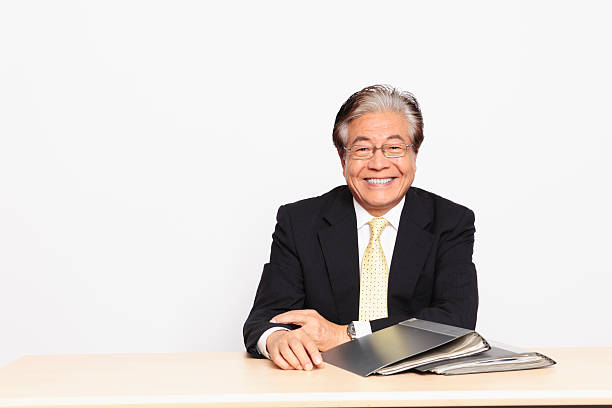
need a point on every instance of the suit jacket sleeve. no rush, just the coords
(280, 287)
(455, 291)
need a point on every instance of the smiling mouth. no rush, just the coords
(379, 180)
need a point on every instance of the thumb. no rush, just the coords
(291, 317)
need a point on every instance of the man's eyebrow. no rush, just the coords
(395, 137)
(367, 139)
(361, 139)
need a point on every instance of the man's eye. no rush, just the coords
(394, 147)
(361, 149)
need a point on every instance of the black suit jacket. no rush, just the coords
(314, 264)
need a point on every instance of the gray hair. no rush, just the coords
(379, 98)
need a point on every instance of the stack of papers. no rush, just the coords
(429, 347)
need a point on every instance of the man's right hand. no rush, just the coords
(293, 349)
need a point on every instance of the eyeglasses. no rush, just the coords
(390, 151)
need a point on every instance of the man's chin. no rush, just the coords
(379, 206)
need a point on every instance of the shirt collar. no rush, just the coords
(393, 215)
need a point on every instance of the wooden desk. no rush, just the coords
(583, 376)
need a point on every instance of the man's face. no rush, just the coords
(379, 183)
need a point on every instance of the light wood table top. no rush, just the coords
(582, 376)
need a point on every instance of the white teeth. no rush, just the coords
(379, 181)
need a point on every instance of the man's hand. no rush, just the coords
(324, 333)
(299, 349)
(293, 349)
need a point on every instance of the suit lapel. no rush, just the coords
(412, 247)
(338, 241)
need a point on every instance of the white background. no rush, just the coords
(125, 228)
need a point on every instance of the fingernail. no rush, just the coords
(317, 360)
(273, 320)
(308, 366)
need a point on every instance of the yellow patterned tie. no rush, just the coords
(374, 275)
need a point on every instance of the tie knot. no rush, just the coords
(376, 227)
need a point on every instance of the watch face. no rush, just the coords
(351, 330)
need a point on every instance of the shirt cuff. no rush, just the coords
(362, 328)
(261, 343)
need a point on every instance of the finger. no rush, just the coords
(292, 316)
(272, 345)
(279, 360)
(288, 355)
(300, 352)
(313, 352)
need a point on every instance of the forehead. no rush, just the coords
(378, 127)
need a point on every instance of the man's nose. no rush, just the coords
(378, 160)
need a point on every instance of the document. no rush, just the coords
(498, 358)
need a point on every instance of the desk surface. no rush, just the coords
(583, 376)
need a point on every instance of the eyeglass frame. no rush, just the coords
(382, 148)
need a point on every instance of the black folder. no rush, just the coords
(404, 346)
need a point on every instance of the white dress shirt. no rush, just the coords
(387, 241)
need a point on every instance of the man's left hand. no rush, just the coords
(325, 334)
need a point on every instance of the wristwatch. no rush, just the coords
(350, 330)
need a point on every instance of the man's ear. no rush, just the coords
(342, 153)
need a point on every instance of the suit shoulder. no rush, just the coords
(309, 210)
(443, 207)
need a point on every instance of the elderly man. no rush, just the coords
(369, 254)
